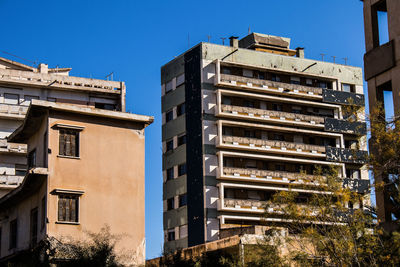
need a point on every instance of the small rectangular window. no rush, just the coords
(20, 169)
(34, 226)
(181, 109)
(12, 99)
(170, 145)
(323, 85)
(180, 79)
(69, 142)
(169, 116)
(170, 174)
(13, 234)
(28, 99)
(294, 80)
(277, 107)
(225, 70)
(68, 208)
(275, 78)
(181, 140)
(182, 200)
(170, 203)
(171, 235)
(43, 214)
(182, 169)
(32, 159)
(347, 87)
(168, 87)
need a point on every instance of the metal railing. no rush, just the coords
(253, 82)
(273, 144)
(270, 114)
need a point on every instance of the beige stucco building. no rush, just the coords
(72, 161)
(85, 171)
(20, 84)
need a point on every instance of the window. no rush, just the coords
(323, 85)
(168, 87)
(353, 173)
(170, 174)
(43, 214)
(170, 145)
(182, 200)
(32, 159)
(12, 99)
(249, 104)
(171, 235)
(180, 110)
(279, 137)
(277, 107)
(68, 208)
(249, 134)
(181, 140)
(180, 79)
(275, 78)
(380, 29)
(248, 73)
(13, 234)
(295, 80)
(280, 167)
(69, 143)
(182, 169)
(28, 99)
(170, 203)
(169, 116)
(226, 100)
(347, 88)
(104, 106)
(309, 82)
(34, 226)
(20, 169)
(226, 70)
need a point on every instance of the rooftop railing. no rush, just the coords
(13, 110)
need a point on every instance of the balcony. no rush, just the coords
(346, 127)
(260, 85)
(359, 185)
(16, 148)
(272, 146)
(343, 98)
(13, 111)
(346, 155)
(272, 116)
(277, 177)
(10, 181)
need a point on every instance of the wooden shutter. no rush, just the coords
(62, 143)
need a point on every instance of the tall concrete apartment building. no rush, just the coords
(382, 72)
(79, 159)
(244, 121)
(20, 83)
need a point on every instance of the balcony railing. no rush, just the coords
(276, 176)
(273, 144)
(10, 180)
(12, 147)
(234, 80)
(245, 203)
(13, 110)
(270, 114)
(346, 155)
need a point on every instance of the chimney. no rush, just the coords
(43, 68)
(234, 41)
(300, 52)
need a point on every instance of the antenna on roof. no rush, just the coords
(110, 75)
(34, 63)
(249, 30)
(223, 40)
(345, 60)
(209, 37)
(322, 55)
(334, 59)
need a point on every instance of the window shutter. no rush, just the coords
(67, 144)
(73, 144)
(61, 210)
(62, 143)
(72, 209)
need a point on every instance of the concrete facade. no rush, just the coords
(20, 84)
(382, 72)
(106, 176)
(241, 121)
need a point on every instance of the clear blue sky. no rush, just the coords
(134, 39)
